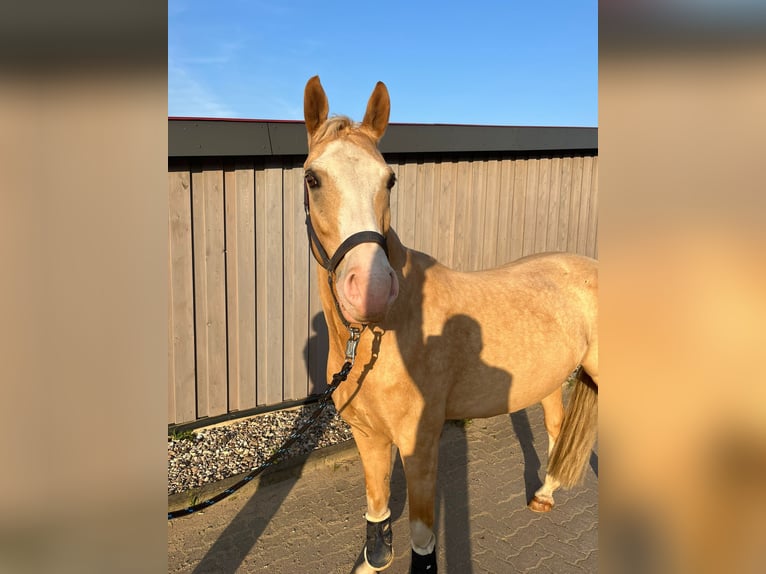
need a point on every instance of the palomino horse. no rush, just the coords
(526, 325)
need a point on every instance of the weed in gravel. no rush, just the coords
(183, 435)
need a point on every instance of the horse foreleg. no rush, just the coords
(420, 470)
(376, 454)
(553, 414)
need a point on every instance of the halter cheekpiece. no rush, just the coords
(331, 263)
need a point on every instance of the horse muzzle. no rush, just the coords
(366, 285)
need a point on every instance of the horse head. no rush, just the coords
(347, 197)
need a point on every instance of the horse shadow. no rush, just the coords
(451, 497)
(461, 337)
(452, 510)
(458, 347)
(238, 538)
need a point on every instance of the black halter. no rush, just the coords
(331, 263)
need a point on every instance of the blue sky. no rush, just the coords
(498, 62)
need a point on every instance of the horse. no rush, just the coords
(435, 343)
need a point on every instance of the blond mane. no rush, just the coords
(333, 127)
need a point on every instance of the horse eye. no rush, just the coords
(311, 179)
(391, 181)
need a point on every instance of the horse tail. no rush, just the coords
(572, 448)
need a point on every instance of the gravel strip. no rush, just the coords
(215, 453)
(219, 452)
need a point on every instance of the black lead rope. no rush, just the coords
(337, 379)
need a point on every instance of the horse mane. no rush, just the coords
(333, 127)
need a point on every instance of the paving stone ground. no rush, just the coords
(312, 521)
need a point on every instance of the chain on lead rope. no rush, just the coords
(353, 340)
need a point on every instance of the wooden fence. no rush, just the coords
(246, 329)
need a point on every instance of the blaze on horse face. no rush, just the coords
(349, 185)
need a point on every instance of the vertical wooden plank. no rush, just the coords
(551, 239)
(426, 218)
(591, 247)
(565, 200)
(446, 226)
(504, 207)
(182, 383)
(275, 282)
(462, 222)
(475, 247)
(530, 206)
(401, 192)
(210, 290)
(261, 261)
(582, 235)
(232, 287)
(245, 181)
(239, 182)
(407, 203)
(269, 276)
(296, 281)
(289, 282)
(434, 189)
(418, 228)
(574, 206)
(491, 213)
(543, 203)
(518, 207)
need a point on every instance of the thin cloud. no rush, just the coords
(188, 97)
(289, 109)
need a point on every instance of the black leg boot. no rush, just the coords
(378, 551)
(423, 564)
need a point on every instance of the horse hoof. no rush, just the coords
(379, 562)
(540, 505)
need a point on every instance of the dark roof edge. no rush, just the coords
(190, 137)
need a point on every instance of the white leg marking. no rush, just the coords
(546, 490)
(423, 539)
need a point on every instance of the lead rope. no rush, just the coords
(337, 379)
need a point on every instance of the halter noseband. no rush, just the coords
(331, 263)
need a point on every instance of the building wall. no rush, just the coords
(245, 325)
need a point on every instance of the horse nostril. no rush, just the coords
(351, 287)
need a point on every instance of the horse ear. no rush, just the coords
(315, 106)
(378, 110)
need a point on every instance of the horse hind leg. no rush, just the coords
(578, 433)
(568, 458)
(553, 415)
